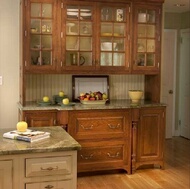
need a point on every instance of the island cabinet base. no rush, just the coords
(105, 139)
(57, 170)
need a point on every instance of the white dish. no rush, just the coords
(76, 10)
(72, 13)
(85, 14)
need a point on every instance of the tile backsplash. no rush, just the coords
(49, 85)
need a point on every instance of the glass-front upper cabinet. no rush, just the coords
(79, 36)
(41, 35)
(114, 36)
(147, 39)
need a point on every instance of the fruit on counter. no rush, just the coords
(22, 126)
(104, 96)
(65, 101)
(45, 99)
(61, 93)
(93, 96)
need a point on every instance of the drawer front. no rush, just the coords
(100, 124)
(106, 153)
(48, 166)
(67, 184)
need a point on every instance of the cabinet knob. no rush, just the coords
(170, 91)
(113, 156)
(113, 126)
(87, 127)
(87, 157)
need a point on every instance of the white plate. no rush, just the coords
(85, 14)
(72, 13)
(93, 102)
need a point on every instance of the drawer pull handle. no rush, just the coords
(87, 157)
(87, 128)
(49, 168)
(113, 156)
(49, 186)
(114, 126)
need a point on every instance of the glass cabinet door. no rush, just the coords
(113, 36)
(79, 40)
(147, 39)
(41, 38)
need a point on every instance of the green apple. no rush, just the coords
(104, 96)
(45, 99)
(65, 101)
(61, 93)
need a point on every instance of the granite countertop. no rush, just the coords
(59, 140)
(113, 104)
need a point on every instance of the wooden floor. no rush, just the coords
(176, 174)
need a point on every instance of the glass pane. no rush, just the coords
(141, 30)
(72, 28)
(150, 60)
(151, 14)
(106, 59)
(106, 14)
(119, 30)
(47, 10)
(72, 43)
(46, 57)
(87, 57)
(46, 26)
(142, 16)
(119, 44)
(35, 58)
(85, 13)
(35, 41)
(35, 26)
(85, 28)
(106, 29)
(47, 41)
(150, 31)
(120, 15)
(150, 45)
(141, 45)
(140, 59)
(72, 12)
(35, 9)
(118, 59)
(85, 43)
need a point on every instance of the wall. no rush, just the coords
(9, 62)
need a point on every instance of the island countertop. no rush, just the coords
(59, 140)
(112, 104)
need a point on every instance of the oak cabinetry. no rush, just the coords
(105, 139)
(148, 136)
(6, 172)
(40, 118)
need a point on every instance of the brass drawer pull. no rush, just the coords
(114, 126)
(113, 156)
(87, 157)
(87, 128)
(49, 168)
(49, 186)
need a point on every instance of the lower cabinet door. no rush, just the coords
(65, 184)
(6, 180)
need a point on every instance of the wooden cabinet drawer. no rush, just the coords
(66, 184)
(99, 124)
(48, 166)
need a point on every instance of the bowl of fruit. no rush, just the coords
(93, 98)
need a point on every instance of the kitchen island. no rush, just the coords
(117, 135)
(50, 163)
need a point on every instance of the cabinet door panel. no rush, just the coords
(6, 179)
(151, 134)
